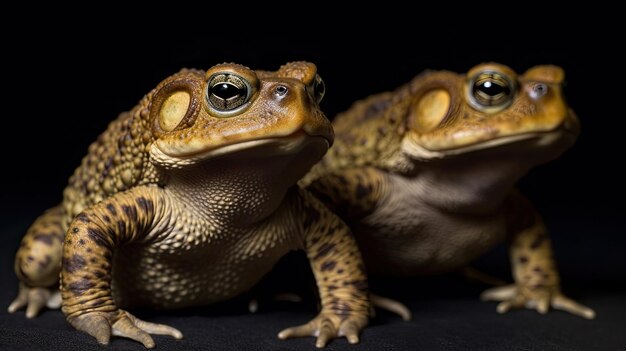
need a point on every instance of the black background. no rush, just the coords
(64, 82)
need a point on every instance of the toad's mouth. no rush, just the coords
(256, 148)
(508, 144)
(560, 136)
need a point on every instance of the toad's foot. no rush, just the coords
(539, 298)
(101, 325)
(328, 325)
(34, 299)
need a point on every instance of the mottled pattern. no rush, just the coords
(196, 213)
(39, 260)
(425, 177)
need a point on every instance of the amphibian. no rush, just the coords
(189, 199)
(425, 175)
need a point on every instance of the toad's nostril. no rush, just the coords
(538, 90)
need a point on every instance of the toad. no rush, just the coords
(425, 175)
(189, 199)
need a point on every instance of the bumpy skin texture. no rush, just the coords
(189, 199)
(425, 176)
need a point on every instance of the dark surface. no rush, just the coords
(447, 312)
(64, 89)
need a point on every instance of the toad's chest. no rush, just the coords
(164, 276)
(407, 236)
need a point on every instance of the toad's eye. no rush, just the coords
(319, 88)
(227, 92)
(489, 90)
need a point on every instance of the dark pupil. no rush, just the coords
(493, 88)
(225, 90)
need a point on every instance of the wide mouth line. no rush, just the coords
(421, 152)
(287, 144)
(506, 139)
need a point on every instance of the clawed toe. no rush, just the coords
(327, 328)
(101, 325)
(539, 299)
(34, 300)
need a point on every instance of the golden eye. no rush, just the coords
(491, 90)
(173, 110)
(227, 92)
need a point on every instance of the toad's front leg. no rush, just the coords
(90, 243)
(537, 284)
(340, 274)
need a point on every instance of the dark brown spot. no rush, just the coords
(334, 229)
(360, 285)
(44, 238)
(98, 237)
(342, 180)
(381, 130)
(145, 205)
(89, 250)
(79, 287)
(131, 212)
(340, 271)
(56, 224)
(538, 241)
(331, 287)
(537, 269)
(324, 250)
(362, 191)
(112, 210)
(99, 274)
(73, 263)
(83, 217)
(121, 227)
(81, 242)
(523, 259)
(328, 265)
(108, 255)
(30, 258)
(45, 263)
(93, 260)
(341, 309)
(107, 219)
(97, 303)
(75, 230)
